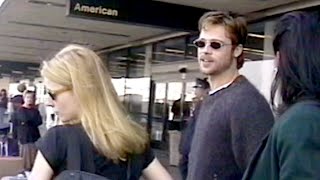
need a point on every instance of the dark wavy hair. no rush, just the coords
(297, 40)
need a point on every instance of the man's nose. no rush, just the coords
(206, 49)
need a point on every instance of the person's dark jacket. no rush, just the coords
(176, 107)
(291, 150)
(25, 123)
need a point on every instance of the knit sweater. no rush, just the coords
(231, 123)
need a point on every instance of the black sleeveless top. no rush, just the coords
(68, 147)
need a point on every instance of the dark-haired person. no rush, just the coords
(26, 120)
(292, 149)
(235, 117)
(18, 99)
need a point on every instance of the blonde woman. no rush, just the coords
(97, 136)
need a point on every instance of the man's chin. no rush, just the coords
(207, 72)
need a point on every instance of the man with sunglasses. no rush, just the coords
(234, 118)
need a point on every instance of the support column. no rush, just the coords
(148, 61)
(147, 73)
(267, 67)
(267, 44)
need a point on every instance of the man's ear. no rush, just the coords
(277, 56)
(276, 59)
(238, 51)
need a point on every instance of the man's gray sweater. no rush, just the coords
(230, 126)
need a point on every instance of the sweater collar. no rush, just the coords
(233, 81)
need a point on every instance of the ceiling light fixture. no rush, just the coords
(177, 51)
(47, 3)
(259, 36)
(122, 58)
(254, 50)
(17, 72)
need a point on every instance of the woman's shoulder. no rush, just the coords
(64, 128)
(60, 133)
(301, 112)
(57, 141)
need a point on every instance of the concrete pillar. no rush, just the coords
(267, 44)
(268, 66)
(148, 61)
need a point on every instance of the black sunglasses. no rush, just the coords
(213, 44)
(53, 94)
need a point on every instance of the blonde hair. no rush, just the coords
(103, 117)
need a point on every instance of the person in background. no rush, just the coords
(235, 117)
(25, 121)
(202, 89)
(3, 104)
(97, 136)
(291, 151)
(179, 120)
(19, 97)
(17, 100)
